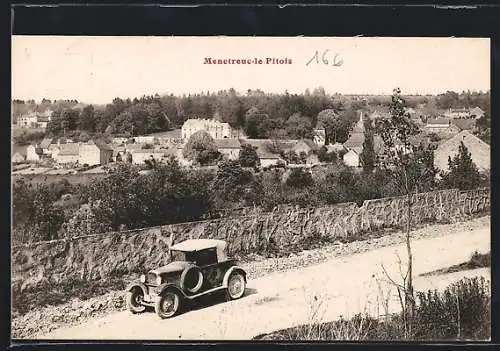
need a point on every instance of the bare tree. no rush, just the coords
(409, 170)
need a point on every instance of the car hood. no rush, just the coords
(176, 266)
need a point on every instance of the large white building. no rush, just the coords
(216, 129)
(35, 119)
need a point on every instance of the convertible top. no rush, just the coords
(199, 244)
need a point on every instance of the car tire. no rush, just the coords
(236, 285)
(168, 304)
(133, 300)
(199, 282)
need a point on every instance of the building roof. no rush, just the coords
(464, 124)
(69, 149)
(197, 121)
(45, 143)
(480, 151)
(148, 151)
(42, 118)
(227, 143)
(17, 157)
(335, 147)
(312, 145)
(476, 111)
(198, 244)
(438, 121)
(355, 140)
(101, 144)
(260, 146)
(173, 134)
(351, 151)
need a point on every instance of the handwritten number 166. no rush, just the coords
(324, 59)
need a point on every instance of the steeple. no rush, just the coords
(359, 127)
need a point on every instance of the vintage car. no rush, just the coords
(197, 267)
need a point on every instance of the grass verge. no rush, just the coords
(460, 312)
(477, 260)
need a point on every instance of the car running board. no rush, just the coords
(205, 292)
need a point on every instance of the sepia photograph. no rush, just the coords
(250, 188)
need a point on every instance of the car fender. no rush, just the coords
(140, 285)
(166, 286)
(231, 270)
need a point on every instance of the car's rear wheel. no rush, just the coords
(134, 300)
(235, 286)
(168, 304)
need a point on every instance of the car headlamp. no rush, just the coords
(158, 280)
(142, 278)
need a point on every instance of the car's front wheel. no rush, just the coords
(134, 300)
(168, 304)
(235, 286)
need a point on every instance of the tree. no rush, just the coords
(463, 174)
(248, 156)
(336, 125)
(395, 131)
(299, 126)
(325, 156)
(234, 184)
(368, 156)
(201, 149)
(255, 124)
(48, 217)
(86, 120)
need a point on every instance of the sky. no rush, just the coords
(98, 69)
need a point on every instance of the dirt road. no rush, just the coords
(342, 286)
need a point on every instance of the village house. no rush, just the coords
(352, 158)
(476, 113)
(356, 137)
(176, 152)
(305, 147)
(145, 139)
(440, 125)
(45, 145)
(216, 129)
(319, 137)
(479, 150)
(229, 148)
(269, 160)
(94, 152)
(464, 113)
(33, 153)
(355, 143)
(119, 152)
(119, 140)
(67, 154)
(457, 113)
(337, 148)
(140, 156)
(17, 158)
(35, 119)
(465, 124)
(266, 158)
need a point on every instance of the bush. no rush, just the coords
(462, 311)
(299, 178)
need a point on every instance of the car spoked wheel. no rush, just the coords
(134, 300)
(235, 286)
(168, 304)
